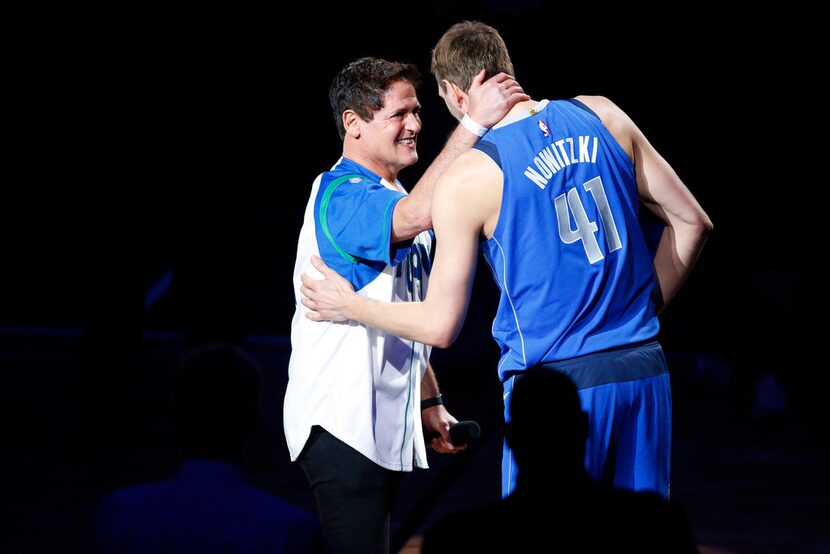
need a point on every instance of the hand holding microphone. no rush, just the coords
(461, 433)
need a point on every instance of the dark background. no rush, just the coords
(156, 131)
(184, 144)
(161, 162)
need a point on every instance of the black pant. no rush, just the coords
(354, 495)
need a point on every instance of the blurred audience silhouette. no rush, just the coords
(208, 507)
(556, 506)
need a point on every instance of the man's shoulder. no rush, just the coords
(472, 164)
(472, 174)
(605, 109)
(348, 170)
(341, 176)
(346, 181)
(599, 104)
(138, 496)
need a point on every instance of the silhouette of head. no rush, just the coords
(216, 398)
(547, 429)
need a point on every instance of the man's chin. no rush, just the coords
(412, 159)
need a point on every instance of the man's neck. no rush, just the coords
(517, 110)
(355, 156)
(522, 108)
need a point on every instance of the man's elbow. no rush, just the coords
(443, 341)
(413, 226)
(415, 217)
(703, 225)
(696, 224)
(424, 221)
(443, 337)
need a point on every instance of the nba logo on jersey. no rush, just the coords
(544, 128)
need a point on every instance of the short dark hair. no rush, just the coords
(360, 86)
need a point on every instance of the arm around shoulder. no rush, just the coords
(413, 214)
(459, 209)
(489, 102)
(463, 201)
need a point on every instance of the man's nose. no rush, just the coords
(413, 123)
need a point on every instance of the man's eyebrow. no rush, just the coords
(399, 111)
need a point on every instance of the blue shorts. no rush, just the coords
(627, 395)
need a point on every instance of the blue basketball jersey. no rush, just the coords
(568, 253)
(352, 239)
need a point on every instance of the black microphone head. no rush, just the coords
(464, 432)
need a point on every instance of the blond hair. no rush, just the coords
(465, 49)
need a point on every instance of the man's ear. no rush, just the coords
(351, 123)
(454, 93)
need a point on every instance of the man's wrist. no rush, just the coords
(350, 306)
(474, 127)
(431, 402)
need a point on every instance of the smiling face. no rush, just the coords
(387, 143)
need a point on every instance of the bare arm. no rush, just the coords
(489, 101)
(429, 384)
(463, 201)
(662, 192)
(687, 225)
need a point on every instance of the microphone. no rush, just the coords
(461, 433)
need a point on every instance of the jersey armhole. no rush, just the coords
(581, 105)
(490, 149)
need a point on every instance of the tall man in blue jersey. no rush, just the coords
(550, 195)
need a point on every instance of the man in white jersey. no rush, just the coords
(357, 397)
(551, 196)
